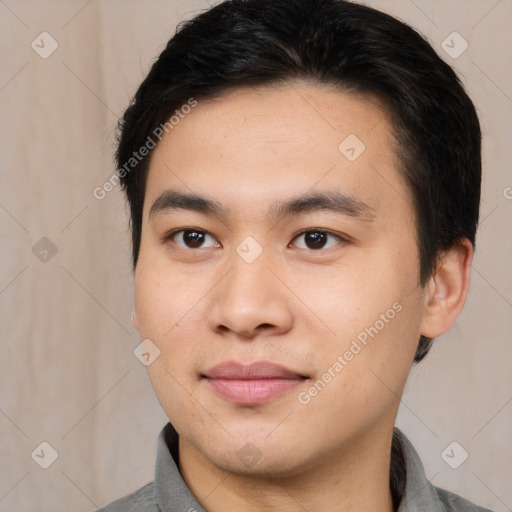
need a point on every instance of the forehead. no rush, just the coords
(253, 146)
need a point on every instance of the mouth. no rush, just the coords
(252, 384)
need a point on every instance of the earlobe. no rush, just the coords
(135, 320)
(447, 290)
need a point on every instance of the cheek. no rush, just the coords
(347, 298)
(370, 365)
(373, 312)
(176, 394)
(170, 314)
(167, 317)
(163, 298)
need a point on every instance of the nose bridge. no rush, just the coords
(250, 296)
(248, 286)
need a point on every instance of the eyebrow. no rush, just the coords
(337, 202)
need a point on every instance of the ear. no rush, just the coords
(447, 290)
(135, 320)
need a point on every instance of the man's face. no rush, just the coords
(333, 296)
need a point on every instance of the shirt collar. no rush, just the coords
(416, 493)
(419, 494)
(171, 492)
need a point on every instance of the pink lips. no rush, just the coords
(251, 384)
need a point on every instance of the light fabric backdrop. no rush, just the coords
(68, 373)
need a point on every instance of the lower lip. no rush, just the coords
(252, 391)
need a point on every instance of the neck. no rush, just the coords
(354, 479)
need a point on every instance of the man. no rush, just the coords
(304, 183)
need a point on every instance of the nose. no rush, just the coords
(250, 301)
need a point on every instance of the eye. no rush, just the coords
(192, 239)
(316, 239)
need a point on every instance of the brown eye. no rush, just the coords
(192, 239)
(316, 239)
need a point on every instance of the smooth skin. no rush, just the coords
(299, 304)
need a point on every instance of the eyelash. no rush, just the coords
(169, 237)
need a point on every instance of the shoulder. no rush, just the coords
(142, 500)
(454, 503)
(416, 492)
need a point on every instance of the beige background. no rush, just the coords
(68, 373)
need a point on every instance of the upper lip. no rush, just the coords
(257, 370)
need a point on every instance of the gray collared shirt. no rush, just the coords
(170, 493)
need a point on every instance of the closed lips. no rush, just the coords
(257, 370)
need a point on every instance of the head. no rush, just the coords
(254, 103)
